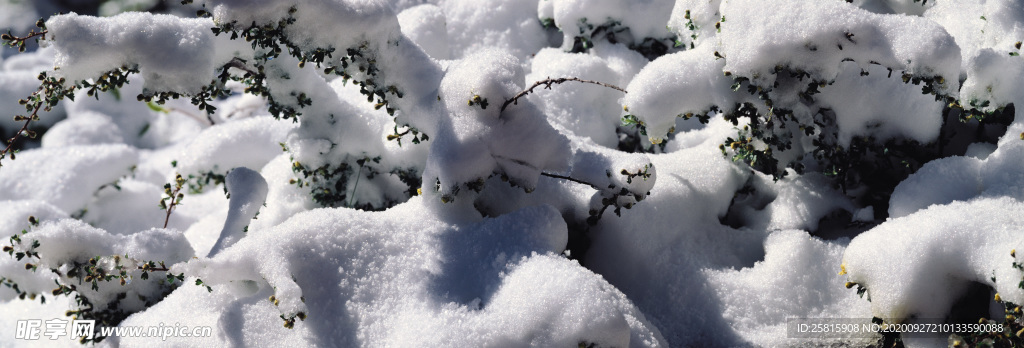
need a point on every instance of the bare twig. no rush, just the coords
(578, 181)
(550, 81)
(209, 117)
(23, 130)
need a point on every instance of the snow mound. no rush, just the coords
(919, 264)
(674, 85)
(758, 300)
(646, 18)
(480, 139)
(250, 142)
(366, 278)
(54, 175)
(89, 46)
(815, 37)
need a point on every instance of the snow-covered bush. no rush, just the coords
(513, 172)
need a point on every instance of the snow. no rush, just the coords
(986, 33)
(884, 108)
(647, 18)
(816, 36)
(585, 109)
(795, 260)
(510, 25)
(481, 139)
(250, 192)
(920, 263)
(87, 128)
(687, 82)
(427, 27)
(799, 202)
(251, 142)
(91, 45)
(395, 272)
(54, 175)
(655, 252)
(962, 178)
(542, 224)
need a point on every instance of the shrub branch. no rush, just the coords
(550, 81)
(24, 130)
(174, 197)
(19, 41)
(578, 181)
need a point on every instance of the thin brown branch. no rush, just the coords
(24, 129)
(19, 41)
(170, 208)
(547, 85)
(174, 195)
(208, 118)
(578, 181)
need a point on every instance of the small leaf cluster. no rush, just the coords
(92, 271)
(634, 122)
(51, 91)
(173, 196)
(104, 269)
(329, 184)
(19, 42)
(198, 182)
(613, 31)
(775, 131)
(289, 320)
(19, 254)
(691, 26)
(357, 64)
(976, 110)
(610, 195)
(478, 101)
(1012, 334)
(417, 136)
(108, 81)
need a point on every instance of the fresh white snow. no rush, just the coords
(527, 226)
